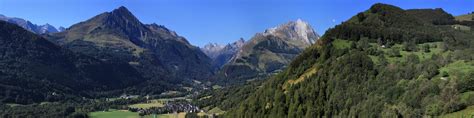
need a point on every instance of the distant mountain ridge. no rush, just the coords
(221, 54)
(212, 49)
(38, 29)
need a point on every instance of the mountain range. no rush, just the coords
(114, 53)
(221, 54)
(34, 70)
(382, 62)
(110, 54)
(269, 52)
(38, 29)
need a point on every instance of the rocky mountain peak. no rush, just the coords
(213, 47)
(125, 39)
(239, 43)
(61, 28)
(122, 8)
(121, 11)
(122, 16)
(221, 54)
(46, 28)
(294, 30)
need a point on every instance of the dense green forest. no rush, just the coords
(383, 62)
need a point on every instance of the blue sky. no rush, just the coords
(220, 21)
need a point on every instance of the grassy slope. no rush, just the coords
(421, 55)
(216, 110)
(340, 44)
(467, 17)
(466, 113)
(459, 66)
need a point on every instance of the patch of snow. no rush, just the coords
(444, 78)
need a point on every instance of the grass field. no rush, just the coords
(151, 103)
(114, 114)
(341, 44)
(466, 113)
(128, 114)
(179, 115)
(458, 67)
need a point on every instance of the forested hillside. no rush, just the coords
(383, 62)
(35, 70)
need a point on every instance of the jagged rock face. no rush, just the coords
(298, 32)
(221, 54)
(154, 50)
(271, 51)
(38, 29)
(47, 28)
(212, 49)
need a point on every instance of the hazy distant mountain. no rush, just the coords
(60, 29)
(47, 28)
(212, 49)
(38, 29)
(270, 51)
(155, 51)
(221, 54)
